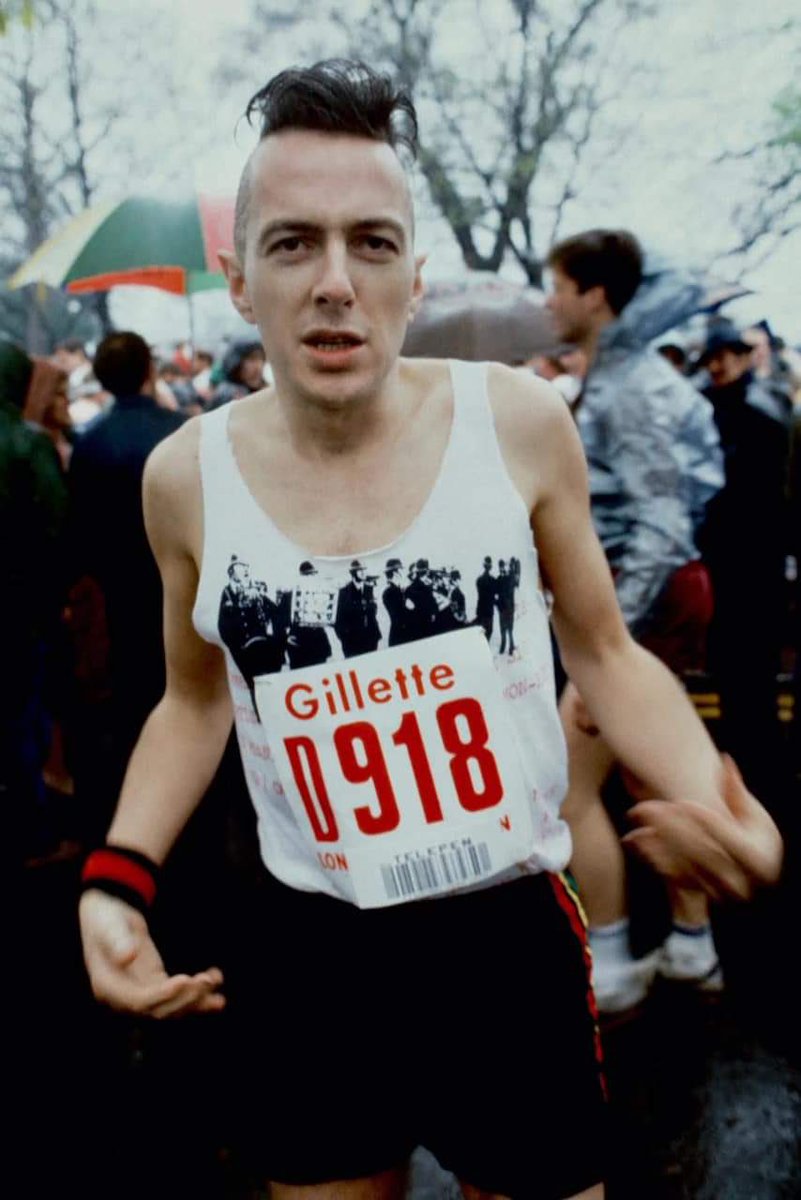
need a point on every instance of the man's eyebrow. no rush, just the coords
(382, 223)
(290, 228)
(285, 227)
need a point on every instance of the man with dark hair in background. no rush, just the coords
(654, 462)
(423, 779)
(108, 540)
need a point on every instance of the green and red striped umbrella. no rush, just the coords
(172, 246)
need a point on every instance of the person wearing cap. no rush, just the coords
(745, 541)
(487, 588)
(307, 642)
(421, 607)
(394, 602)
(356, 623)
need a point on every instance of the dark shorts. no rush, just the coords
(465, 1025)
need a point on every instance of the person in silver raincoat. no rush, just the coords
(654, 462)
(651, 443)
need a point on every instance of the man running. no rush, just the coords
(417, 952)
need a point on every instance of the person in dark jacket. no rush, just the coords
(794, 512)
(32, 513)
(108, 541)
(745, 541)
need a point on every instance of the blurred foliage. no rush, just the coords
(21, 10)
(771, 210)
(787, 110)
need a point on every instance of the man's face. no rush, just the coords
(251, 370)
(762, 355)
(329, 274)
(727, 366)
(571, 310)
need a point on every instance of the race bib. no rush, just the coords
(402, 767)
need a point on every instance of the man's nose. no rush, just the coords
(334, 284)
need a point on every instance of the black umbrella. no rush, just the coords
(481, 318)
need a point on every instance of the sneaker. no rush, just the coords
(691, 957)
(623, 985)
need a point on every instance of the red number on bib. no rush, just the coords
(315, 798)
(408, 734)
(374, 767)
(361, 760)
(474, 750)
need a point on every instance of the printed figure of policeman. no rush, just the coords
(356, 623)
(449, 597)
(508, 579)
(250, 623)
(421, 607)
(307, 644)
(487, 588)
(394, 602)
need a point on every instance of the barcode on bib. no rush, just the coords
(437, 869)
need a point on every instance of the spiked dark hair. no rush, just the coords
(336, 95)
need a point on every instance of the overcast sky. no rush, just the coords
(710, 73)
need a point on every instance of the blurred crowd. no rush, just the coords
(81, 612)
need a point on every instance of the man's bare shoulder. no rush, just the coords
(532, 419)
(522, 403)
(171, 488)
(174, 463)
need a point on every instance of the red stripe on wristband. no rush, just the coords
(109, 864)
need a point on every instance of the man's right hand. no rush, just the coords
(125, 968)
(728, 854)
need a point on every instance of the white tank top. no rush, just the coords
(380, 767)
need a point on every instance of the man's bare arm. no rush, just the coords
(174, 760)
(639, 707)
(183, 740)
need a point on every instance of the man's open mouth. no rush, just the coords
(333, 341)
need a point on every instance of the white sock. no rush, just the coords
(610, 943)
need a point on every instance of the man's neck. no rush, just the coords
(324, 431)
(589, 343)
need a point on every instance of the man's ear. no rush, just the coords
(418, 287)
(237, 287)
(596, 297)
